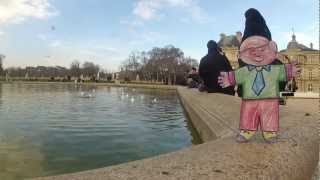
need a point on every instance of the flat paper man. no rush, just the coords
(259, 80)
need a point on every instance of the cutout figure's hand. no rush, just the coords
(223, 80)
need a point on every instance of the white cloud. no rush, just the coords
(152, 36)
(42, 37)
(150, 9)
(132, 23)
(1, 33)
(105, 52)
(198, 14)
(106, 59)
(147, 38)
(15, 11)
(55, 43)
(105, 48)
(147, 9)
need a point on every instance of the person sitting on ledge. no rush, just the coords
(193, 79)
(210, 67)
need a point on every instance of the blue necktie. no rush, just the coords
(259, 83)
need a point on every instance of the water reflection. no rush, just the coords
(17, 163)
(67, 133)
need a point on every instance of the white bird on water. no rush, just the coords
(122, 97)
(86, 94)
(154, 100)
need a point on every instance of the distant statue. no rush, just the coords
(117, 79)
(98, 75)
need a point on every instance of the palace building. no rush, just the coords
(307, 57)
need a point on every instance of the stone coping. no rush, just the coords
(215, 116)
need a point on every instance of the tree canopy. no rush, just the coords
(166, 64)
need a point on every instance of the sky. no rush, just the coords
(57, 32)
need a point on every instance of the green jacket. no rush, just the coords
(245, 77)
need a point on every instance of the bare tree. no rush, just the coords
(166, 64)
(89, 69)
(75, 69)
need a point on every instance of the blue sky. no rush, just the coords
(56, 32)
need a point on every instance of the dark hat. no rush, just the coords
(212, 44)
(255, 25)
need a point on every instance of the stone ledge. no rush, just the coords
(215, 116)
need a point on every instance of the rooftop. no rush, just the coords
(230, 41)
(293, 44)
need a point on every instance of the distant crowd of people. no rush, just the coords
(206, 77)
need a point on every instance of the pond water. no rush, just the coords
(48, 129)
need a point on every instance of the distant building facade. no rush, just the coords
(307, 57)
(230, 46)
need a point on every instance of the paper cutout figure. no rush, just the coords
(259, 80)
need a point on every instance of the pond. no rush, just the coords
(50, 129)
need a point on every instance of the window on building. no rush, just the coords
(310, 75)
(315, 59)
(302, 61)
(312, 60)
(310, 87)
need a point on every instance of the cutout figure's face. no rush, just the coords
(258, 51)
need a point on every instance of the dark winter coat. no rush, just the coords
(210, 67)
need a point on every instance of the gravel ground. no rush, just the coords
(306, 105)
(311, 106)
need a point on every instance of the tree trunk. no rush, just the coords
(169, 80)
(157, 76)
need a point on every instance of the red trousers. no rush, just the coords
(263, 112)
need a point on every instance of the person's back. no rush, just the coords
(210, 67)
